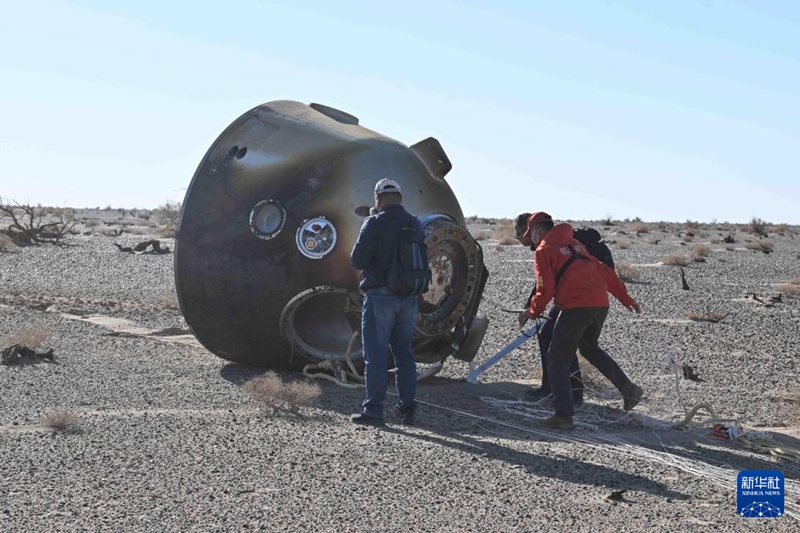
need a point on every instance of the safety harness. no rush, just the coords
(565, 266)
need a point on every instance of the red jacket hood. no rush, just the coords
(560, 234)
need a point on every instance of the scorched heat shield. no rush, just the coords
(262, 258)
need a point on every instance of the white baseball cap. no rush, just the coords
(386, 185)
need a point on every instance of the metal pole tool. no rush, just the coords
(513, 345)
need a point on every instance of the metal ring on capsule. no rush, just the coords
(267, 219)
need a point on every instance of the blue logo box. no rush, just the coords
(760, 493)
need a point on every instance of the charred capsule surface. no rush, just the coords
(262, 259)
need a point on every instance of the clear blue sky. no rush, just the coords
(661, 110)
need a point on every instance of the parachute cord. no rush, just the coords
(343, 374)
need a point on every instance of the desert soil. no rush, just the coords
(168, 441)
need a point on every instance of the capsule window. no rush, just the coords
(267, 219)
(316, 237)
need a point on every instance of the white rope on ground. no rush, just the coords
(760, 442)
(756, 441)
(342, 378)
(724, 478)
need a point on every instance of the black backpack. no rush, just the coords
(409, 272)
(591, 238)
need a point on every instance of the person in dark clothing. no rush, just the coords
(387, 319)
(580, 284)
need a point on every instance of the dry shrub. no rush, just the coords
(504, 233)
(757, 227)
(139, 230)
(705, 316)
(760, 246)
(678, 259)
(688, 238)
(167, 215)
(6, 243)
(730, 248)
(627, 272)
(639, 227)
(482, 235)
(790, 289)
(29, 336)
(168, 299)
(61, 420)
(277, 396)
(780, 229)
(691, 224)
(700, 250)
(623, 244)
(795, 281)
(91, 223)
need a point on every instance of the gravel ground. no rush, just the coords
(167, 440)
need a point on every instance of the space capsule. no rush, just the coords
(262, 257)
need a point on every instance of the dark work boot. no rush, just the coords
(364, 420)
(631, 395)
(558, 422)
(408, 417)
(538, 393)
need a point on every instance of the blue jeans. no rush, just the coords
(388, 320)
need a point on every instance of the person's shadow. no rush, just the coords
(453, 415)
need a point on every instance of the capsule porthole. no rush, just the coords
(267, 219)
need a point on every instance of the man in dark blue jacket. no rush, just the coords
(387, 319)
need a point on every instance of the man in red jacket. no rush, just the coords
(580, 285)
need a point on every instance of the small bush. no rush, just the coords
(790, 289)
(504, 232)
(705, 316)
(167, 215)
(482, 235)
(626, 271)
(168, 299)
(6, 243)
(29, 336)
(277, 396)
(700, 250)
(678, 259)
(795, 281)
(623, 244)
(757, 227)
(639, 227)
(61, 420)
(730, 248)
(691, 224)
(760, 246)
(780, 229)
(688, 237)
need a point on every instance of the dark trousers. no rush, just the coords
(545, 338)
(578, 329)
